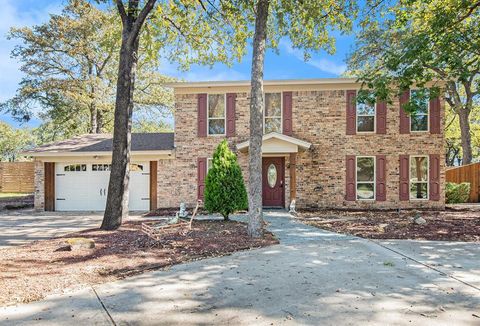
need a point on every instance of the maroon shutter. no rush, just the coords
(350, 178)
(351, 113)
(201, 173)
(435, 115)
(404, 177)
(287, 113)
(231, 99)
(202, 115)
(381, 178)
(404, 117)
(434, 176)
(381, 118)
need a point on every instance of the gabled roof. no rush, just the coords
(281, 144)
(94, 143)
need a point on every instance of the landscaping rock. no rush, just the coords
(80, 243)
(419, 220)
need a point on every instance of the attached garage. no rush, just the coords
(83, 186)
(76, 172)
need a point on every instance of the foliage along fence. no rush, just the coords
(467, 173)
(17, 177)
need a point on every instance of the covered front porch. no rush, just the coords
(279, 162)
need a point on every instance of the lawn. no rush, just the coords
(12, 195)
(448, 225)
(30, 272)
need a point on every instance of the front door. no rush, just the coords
(273, 176)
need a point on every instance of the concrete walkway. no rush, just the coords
(23, 226)
(313, 277)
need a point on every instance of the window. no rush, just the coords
(136, 167)
(419, 177)
(75, 168)
(273, 113)
(365, 178)
(419, 119)
(365, 117)
(101, 167)
(216, 114)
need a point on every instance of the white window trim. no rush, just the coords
(428, 117)
(74, 164)
(366, 115)
(410, 178)
(224, 116)
(281, 111)
(209, 162)
(374, 178)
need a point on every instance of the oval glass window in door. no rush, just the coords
(272, 175)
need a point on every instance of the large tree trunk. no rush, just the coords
(117, 198)
(255, 214)
(93, 119)
(462, 105)
(99, 128)
(464, 116)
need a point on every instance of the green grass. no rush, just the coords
(12, 194)
(388, 264)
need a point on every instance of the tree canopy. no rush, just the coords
(70, 65)
(423, 44)
(13, 141)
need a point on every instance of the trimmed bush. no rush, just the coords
(457, 192)
(225, 191)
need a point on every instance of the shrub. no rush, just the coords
(457, 192)
(225, 191)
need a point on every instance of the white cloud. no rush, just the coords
(322, 64)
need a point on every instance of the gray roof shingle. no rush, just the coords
(103, 143)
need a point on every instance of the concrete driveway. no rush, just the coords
(313, 277)
(23, 226)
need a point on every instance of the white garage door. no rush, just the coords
(84, 186)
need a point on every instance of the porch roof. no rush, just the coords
(275, 143)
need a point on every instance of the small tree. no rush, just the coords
(225, 190)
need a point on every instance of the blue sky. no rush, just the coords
(287, 64)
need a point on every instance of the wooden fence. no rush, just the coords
(17, 177)
(467, 173)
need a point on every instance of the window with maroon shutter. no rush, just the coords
(272, 115)
(231, 99)
(419, 179)
(404, 118)
(403, 190)
(202, 174)
(351, 112)
(350, 178)
(381, 117)
(365, 177)
(435, 115)
(381, 178)
(434, 177)
(202, 115)
(287, 113)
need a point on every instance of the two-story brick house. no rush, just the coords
(320, 149)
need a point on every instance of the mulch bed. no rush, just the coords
(29, 272)
(451, 225)
(16, 202)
